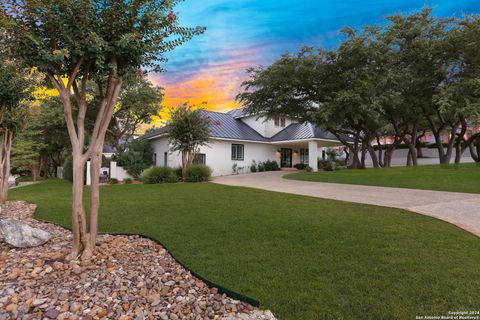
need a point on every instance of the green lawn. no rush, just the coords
(303, 258)
(463, 178)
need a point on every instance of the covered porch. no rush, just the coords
(306, 152)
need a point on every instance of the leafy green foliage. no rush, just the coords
(135, 156)
(188, 129)
(27, 150)
(113, 181)
(155, 175)
(271, 165)
(68, 169)
(199, 173)
(253, 166)
(137, 104)
(49, 121)
(412, 74)
(300, 166)
(123, 35)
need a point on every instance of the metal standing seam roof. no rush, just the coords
(301, 131)
(229, 126)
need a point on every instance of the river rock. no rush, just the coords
(19, 234)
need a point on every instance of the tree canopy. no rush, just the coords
(414, 73)
(80, 41)
(188, 129)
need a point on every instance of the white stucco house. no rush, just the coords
(239, 138)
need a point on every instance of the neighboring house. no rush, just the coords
(239, 138)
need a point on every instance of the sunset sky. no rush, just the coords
(247, 33)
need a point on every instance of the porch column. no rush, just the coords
(88, 180)
(313, 155)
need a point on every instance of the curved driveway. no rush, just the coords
(460, 209)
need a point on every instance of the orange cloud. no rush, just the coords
(216, 84)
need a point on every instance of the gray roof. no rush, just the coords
(238, 113)
(299, 131)
(229, 126)
(154, 133)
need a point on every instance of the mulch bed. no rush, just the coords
(129, 278)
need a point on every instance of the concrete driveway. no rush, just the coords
(460, 209)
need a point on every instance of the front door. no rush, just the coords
(286, 158)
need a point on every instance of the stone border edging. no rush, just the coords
(230, 293)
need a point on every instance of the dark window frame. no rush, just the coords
(202, 156)
(276, 121)
(236, 155)
(304, 154)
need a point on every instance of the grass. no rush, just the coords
(303, 258)
(462, 178)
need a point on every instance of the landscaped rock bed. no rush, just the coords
(129, 278)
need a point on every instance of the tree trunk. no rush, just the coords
(418, 144)
(475, 150)
(79, 227)
(460, 139)
(458, 153)
(381, 160)
(364, 153)
(184, 165)
(354, 159)
(412, 156)
(373, 155)
(5, 152)
(95, 163)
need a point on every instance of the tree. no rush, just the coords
(28, 148)
(188, 129)
(103, 41)
(138, 103)
(15, 85)
(413, 74)
(135, 156)
(49, 121)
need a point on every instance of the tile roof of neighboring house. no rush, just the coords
(228, 126)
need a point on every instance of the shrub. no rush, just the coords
(68, 169)
(199, 173)
(271, 165)
(113, 181)
(178, 172)
(308, 169)
(154, 175)
(135, 156)
(261, 167)
(235, 168)
(253, 167)
(300, 166)
(128, 181)
(330, 165)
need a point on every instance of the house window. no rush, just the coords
(154, 159)
(276, 121)
(237, 152)
(200, 158)
(279, 122)
(165, 159)
(304, 156)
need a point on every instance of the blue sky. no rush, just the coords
(245, 33)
